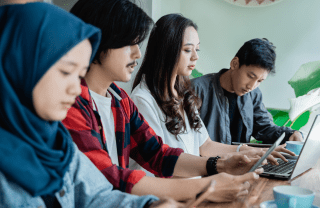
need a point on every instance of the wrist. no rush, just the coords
(212, 165)
(241, 146)
(220, 165)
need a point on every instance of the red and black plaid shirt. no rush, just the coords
(134, 138)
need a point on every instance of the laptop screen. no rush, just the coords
(310, 153)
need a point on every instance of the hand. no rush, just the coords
(255, 151)
(229, 188)
(296, 136)
(282, 148)
(276, 153)
(166, 203)
(252, 151)
(237, 164)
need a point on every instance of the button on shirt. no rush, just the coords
(104, 108)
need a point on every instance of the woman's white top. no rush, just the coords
(190, 140)
(104, 108)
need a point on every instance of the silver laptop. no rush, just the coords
(308, 157)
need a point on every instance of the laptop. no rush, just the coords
(308, 157)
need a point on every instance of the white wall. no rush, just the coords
(292, 25)
(65, 4)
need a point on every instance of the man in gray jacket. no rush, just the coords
(232, 107)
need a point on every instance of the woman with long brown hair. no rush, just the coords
(162, 89)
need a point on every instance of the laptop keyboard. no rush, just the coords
(283, 167)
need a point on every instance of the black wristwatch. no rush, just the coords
(212, 165)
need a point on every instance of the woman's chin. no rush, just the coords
(58, 116)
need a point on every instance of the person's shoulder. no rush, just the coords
(118, 90)
(14, 195)
(84, 96)
(142, 91)
(77, 159)
(204, 81)
(206, 78)
(84, 90)
(255, 94)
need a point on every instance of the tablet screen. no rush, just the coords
(267, 153)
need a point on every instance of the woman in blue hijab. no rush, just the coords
(44, 51)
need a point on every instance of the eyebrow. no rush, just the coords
(190, 44)
(74, 64)
(254, 74)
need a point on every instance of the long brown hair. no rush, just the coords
(161, 57)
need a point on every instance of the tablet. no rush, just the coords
(253, 144)
(279, 140)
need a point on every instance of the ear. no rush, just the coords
(234, 64)
(104, 54)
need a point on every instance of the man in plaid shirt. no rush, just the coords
(108, 129)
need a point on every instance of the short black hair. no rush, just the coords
(258, 52)
(122, 22)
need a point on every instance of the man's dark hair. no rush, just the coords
(258, 52)
(122, 22)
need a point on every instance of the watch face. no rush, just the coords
(253, 3)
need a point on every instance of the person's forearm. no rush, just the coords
(220, 148)
(189, 165)
(178, 189)
(212, 149)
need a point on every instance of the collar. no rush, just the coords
(217, 84)
(113, 89)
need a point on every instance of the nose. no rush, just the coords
(252, 85)
(136, 53)
(194, 56)
(74, 87)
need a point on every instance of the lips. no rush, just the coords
(191, 66)
(67, 104)
(132, 64)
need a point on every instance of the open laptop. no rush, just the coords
(308, 157)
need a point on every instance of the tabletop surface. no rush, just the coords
(260, 191)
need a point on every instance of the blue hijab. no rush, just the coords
(34, 153)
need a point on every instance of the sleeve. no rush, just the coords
(263, 127)
(148, 149)
(91, 189)
(150, 114)
(79, 122)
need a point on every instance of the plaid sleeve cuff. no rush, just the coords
(133, 178)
